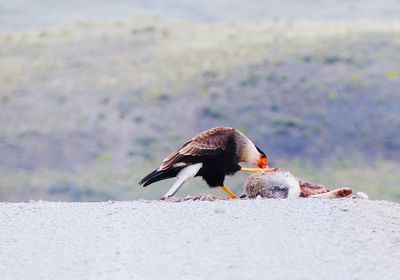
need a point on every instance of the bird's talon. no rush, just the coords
(231, 194)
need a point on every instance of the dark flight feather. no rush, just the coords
(207, 144)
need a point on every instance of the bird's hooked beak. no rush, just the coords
(262, 161)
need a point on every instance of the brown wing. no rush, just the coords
(207, 143)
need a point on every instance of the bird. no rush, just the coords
(211, 154)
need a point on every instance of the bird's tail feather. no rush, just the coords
(158, 175)
(184, 176)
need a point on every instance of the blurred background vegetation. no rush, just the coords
(94, 95)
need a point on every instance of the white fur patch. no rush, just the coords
(285, 180)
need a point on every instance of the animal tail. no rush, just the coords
(158, 175)
(183, 176)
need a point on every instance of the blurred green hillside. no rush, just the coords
(89, 109)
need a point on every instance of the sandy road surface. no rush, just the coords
(248, 239)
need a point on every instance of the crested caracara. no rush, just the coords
(211, 154)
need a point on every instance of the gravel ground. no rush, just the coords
(243, 239)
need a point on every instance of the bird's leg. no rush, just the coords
(229, 192)
(245, 169)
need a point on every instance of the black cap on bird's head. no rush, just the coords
(262, 160)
